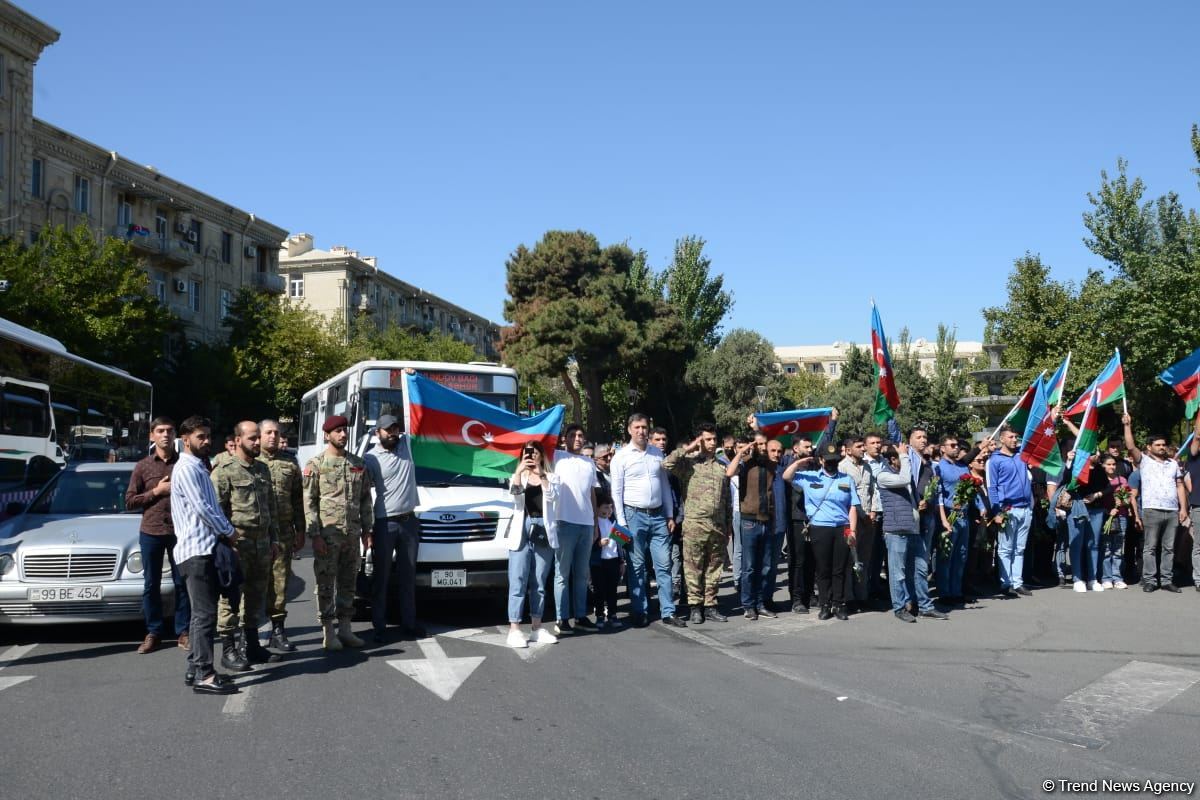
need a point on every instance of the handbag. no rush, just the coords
(538, 535)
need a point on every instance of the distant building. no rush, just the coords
(829, 359)
(340, 284)
(199, 250)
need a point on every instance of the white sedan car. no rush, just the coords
(72, 555)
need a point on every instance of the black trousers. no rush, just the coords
(202, 584)
(606, 574)
(394, 543)
(800, 564)
(831, 556)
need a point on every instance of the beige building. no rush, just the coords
(828, 359)
(198, 250)
(342, 285)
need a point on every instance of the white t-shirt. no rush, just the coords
(612, 549)
(1158, 483)
(577, 476)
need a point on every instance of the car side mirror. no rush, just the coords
(14, 508)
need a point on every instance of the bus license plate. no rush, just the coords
(448, 578)
(63, 594)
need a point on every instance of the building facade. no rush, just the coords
(198, 250)
(829, 359)
(342, 285)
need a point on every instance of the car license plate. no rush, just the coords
(60, 594)
(448, 578)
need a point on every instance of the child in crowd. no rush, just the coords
(606, 571)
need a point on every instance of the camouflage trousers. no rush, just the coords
(254, 559)
(703, 558)
(336, 573)
(281, 571)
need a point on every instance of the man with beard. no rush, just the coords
(397, 531)
(289, 501)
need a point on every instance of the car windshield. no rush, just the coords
(89, 492)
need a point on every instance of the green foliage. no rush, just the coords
(396, 343)
(94, 297)
(730, 373)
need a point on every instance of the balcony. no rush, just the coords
(145, 241)
(268, 282)
(364, 303)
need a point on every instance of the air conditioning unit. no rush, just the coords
(180, 227)
(193, 237)
(250, 251)
(180, 285)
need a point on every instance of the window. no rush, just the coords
(194, 296)
(296, 286)
(226, 302)
(83, 195)
(159, 280)
(24, 411)
(34, 233)
(308, 421)
(226, 247)
(124, 210)
(161, 226)
(197, 228)
(36, 178)
(833, 369)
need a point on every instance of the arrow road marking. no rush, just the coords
(499, 638)
(12, 654)
(437, 672)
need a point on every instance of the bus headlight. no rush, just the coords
(134, 562)
(7, 562)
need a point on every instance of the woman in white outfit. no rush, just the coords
(532, 538)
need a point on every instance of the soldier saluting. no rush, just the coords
(338, 510)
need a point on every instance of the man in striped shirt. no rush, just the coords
(199, 522)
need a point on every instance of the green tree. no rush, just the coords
(730, 372)
(92, 295)
(577, 317)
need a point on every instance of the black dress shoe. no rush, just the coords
(639, 621)
(674, 622)
(214, 688)
(379, 636)
(752, 614)
(767, 611)
(1021, 590)
(825, 613)
(904, 616)
(189, 677)
(713, 613)
(1170, 587)
(1148, 587)
(935, 614)
(840, 613)
(584, 622)
(799, 608)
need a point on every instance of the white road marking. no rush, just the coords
(10, 656)
(235, 704)
(498, 637)
(437, 672)
(1086, 718)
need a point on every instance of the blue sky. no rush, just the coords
(827, 152)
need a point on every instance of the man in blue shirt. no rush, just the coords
(830, 498)
(1011, 494)
(952, 560)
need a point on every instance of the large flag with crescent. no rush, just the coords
(454, 432)
(1039, 445)
(1110, 382)
(1019, 416)
(1054, 387)
(1184, 378)
(1087, 443)
(807, 423)
(887, 399)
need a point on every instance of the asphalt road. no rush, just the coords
(1004, 696)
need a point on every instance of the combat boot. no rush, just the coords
(252, 647)
(329, 639)
(279, 640)
(231, 657)
(346, 636)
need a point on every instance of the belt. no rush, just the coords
(400, 517)
(649, 510)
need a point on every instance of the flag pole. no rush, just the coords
(1124, 401)
(1066, 372)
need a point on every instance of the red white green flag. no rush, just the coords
(1087, 443)
(887, 399)
(1184, 378)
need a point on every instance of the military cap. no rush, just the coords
(335, 422)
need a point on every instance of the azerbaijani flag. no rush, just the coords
(1054, 389)
(1184, 378)
(1110, 382)
(1039, 445)
(453, 432)
(807, 423)
(1018, 418)
(887, 399)
(620, 535)
(1087, 443)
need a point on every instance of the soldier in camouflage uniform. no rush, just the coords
(244, 491)
(706, 520)
(289, 499)
(338, 509)
(230, 451)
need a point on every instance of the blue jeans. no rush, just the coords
(908, 564)
(930, 522)
(755, 541)
(528, 558)
(152, 549)
(1085, 525)
(649, 531)
(735, 560)
(571, 562)
(1114, 549)
(950, 567)
(1010, 547)
(770, 567)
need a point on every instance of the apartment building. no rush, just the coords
(828, 359)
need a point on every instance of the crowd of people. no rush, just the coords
(874, 522)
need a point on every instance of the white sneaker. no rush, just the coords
(1099, 587)
(543, 636)
(1120, 585)
(1080, 586)
(1107, 584)
(516, 639)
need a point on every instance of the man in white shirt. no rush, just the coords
(1164, 506)
(642, 503)
(576, 513)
